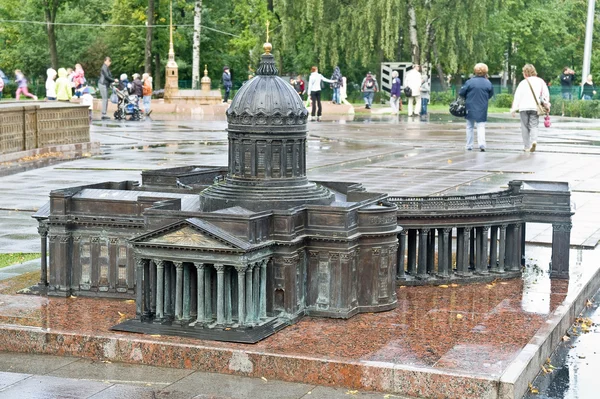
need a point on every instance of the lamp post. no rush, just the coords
(587, 49)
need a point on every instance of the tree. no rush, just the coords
(149, 33)
(50, 8)
(196, 45)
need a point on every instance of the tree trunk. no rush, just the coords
(157, 82)
(270, 6)
(149, 33)
(196, 45)
(50, 9)
(438, 66)
(414, 41)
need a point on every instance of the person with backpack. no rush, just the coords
(337, 78)
(314, 92)
(412, 90)
(368, 88)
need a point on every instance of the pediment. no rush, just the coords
(187, 236)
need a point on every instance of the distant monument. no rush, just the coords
(230, 253)
(173, 94)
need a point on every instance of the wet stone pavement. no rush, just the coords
(471, 330)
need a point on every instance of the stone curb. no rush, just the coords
(514, 382)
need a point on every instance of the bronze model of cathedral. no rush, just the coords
(234, 253)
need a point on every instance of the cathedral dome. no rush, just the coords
(267, 102)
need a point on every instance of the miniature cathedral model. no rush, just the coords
(228, 253)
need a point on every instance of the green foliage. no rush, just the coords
(442, 97)
(575, 108)
(16, 258)
(502, 100)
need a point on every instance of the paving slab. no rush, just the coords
(44, 387)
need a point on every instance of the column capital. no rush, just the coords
(199, 266)
(447, 230)
(503, 226)
(486, 227)
(140, 262)
(241, 269)
(403, 232)
(562, 227)
(178, 265)
(43, 230)
(220, 268)
(264, 262)
(159, 263)
(425, 230)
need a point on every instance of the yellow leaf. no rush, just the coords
(122, 314)
(459, 316)
(72, 297)
(130, 301)
(533, 389)
(155, 335)
(443, 286)
(566, 338)
(351, 392)
(264, 379)
(449, 161)
(453, 285)
(503, 282)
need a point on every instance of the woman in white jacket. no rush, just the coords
(314, 91)
(529, 90)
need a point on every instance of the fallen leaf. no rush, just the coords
(264, 379)
(129, 301)
(72, 297)
(566, 338)
(453, 285)
(533, 389)
(503, 282)
(588, 303)
(449, 161)
(351, 392)
(459, 316)
(443, 286)
(155, 335)
(106, 361)
(122, 314)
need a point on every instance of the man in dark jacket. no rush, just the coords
(477, 92)
(137, 86)
(567, 77)
(103, 83)
(226, 83)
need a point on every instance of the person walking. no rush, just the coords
(567, 78)
(530, 91)
(314, 92)
(412, 80)
(369, 87)
(50, 85)
(300, 86)
(425, 92)
(1, 87)
(147, 92)
(477, 92)
(63, 86)
(104, 82)
(226, 82)
(589, 90)
(22, 86)
(337, 78)
(395, 93)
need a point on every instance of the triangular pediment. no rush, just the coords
(188, 236)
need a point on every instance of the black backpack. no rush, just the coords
(369, 84)
(407, 91)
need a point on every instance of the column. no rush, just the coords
(400, 274)
(160, 289)
(43, 232)
(249, 296)
(147, 296)
(187, 286)
(139, 291)
(443, 261)
(220, 294)
(200, 292)
(263, 289)
(422, 266)
(178, 290)
(208, 293)
(256, 290)
(227, 290)
(153, 272)
(494, 249)
(241, 275)
(561, 239)
(412, 252)
(464, 242)
(502, 249)
(472, 249)
(168, 304)
(431, 253)
(482, 250)
(515, 254)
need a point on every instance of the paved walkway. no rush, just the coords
(25, 376)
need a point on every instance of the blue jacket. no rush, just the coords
(226, 80)
(477, 91)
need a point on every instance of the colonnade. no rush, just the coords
(478, 250)
(207, 294)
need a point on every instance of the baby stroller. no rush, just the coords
(127, 104)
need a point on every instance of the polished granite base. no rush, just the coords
(454, 341)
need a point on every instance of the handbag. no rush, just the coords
(407, 91)
(113, 98)
(542, 109)
(458, 108)
(547, 121)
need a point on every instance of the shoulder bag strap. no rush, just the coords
(535, 97)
